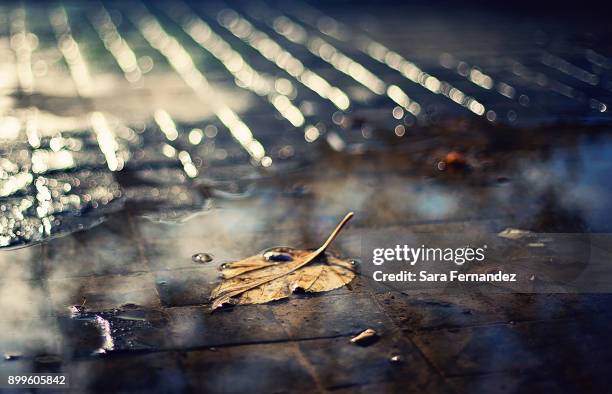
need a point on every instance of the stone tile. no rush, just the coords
(426, 310)
(106, 249)
(571, 346)
(234, 220)
(172, 255)
(339, 363)
(528, 307)
(602, 241)
(192, 327)
(564, 348)
(315, 316)
(233, 232)
(187, 286)
(594, 273)
(509, 383)
(434, 386)
(176, 254)
(264, 368)
(182, 287)
(128, 329)
(475, 226)
(134, 373)
(602, 303)
(471, 350)
(358, 285)
(104, 292)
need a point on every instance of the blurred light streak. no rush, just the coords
(283, 59)
(377, 51)
(126, 59)
(246, 76)
(295, 33)
(9, 82)
(183, 64)
(166, 124)
(542, 80)
(168, 127)
(106, 138)
(71, 52)
(106, 141)
(115, 44)
(597, 59)
(32, 127)
(23, 43)
(567, 68)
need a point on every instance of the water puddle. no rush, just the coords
(94, 333)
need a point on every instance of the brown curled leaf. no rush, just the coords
(257, 279)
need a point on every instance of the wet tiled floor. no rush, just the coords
(138, 275)
(122, 307)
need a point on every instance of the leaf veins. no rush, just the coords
(262, 278)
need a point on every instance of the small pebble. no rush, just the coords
(366, 337)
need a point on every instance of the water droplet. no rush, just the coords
(11, 356)
(202, 258)
(396, 359)
(277, 256)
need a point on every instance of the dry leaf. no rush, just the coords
(267, 277)
(514, 233)
(366, 336)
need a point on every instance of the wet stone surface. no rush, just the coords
(125, 306)
(114, 286)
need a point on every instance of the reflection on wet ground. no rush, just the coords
(143, 146)
(107, 104)
(128, 296)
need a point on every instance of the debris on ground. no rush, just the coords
(9, 356)
(453, 161)
(514, 233)
(396, 359)
(366, 337)
(278, 273)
